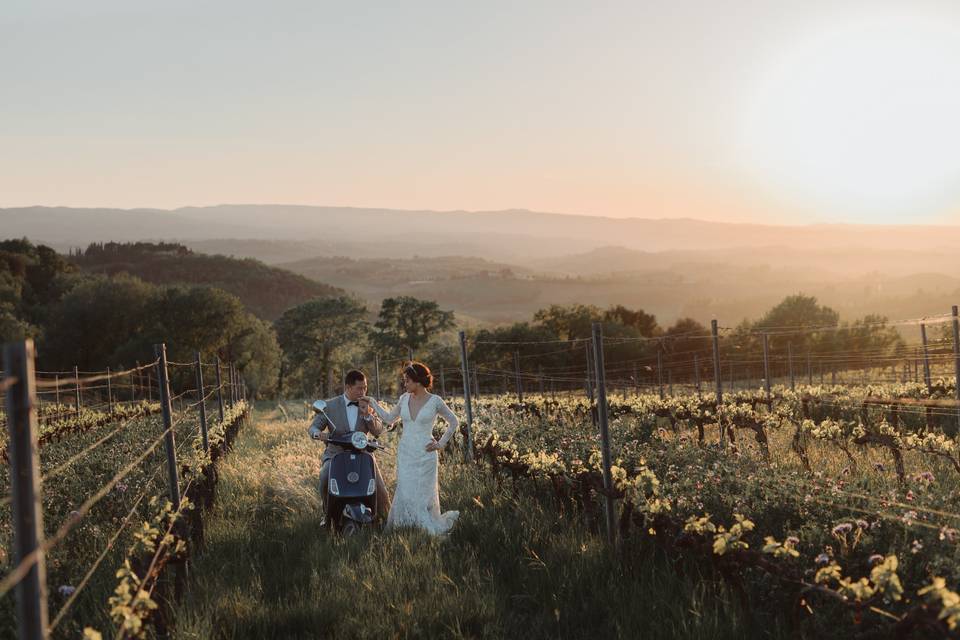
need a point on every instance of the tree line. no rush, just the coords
(93, 320)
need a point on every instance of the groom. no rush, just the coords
(349, 412)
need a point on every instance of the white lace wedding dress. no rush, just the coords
(416, 499)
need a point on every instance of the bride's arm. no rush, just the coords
(388, 417)
(452, 422)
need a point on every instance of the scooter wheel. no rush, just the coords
(350, 528)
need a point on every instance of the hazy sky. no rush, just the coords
(750, 111)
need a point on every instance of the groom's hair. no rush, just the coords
(353, 377)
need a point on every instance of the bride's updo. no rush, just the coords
(419, 372)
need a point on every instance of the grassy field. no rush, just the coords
(513, 567)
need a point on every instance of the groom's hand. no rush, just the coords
(433, 445)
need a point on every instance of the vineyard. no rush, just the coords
(827, 506)
(116, 527)
(781, 502)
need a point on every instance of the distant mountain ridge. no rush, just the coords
(497, 235)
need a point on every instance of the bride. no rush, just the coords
(416, 501)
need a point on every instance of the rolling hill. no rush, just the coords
(266, 291)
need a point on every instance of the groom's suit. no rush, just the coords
(340, 424)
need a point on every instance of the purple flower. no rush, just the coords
(875, 559)
(842, 529)
(822, 559)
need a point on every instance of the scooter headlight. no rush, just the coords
(334, 487)
(359, 440)
(371, 486)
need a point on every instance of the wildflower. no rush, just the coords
(842, 529)
(916, 546)
(822, 559)
(874, 559)
(948, 534)
(863, 524)
(66, 590)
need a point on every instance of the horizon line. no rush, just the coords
(497, 212)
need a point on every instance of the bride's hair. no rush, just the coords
(419, 372)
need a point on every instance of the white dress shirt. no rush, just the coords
(353, 412)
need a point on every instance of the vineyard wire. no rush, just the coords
(17, 574)
(103, 554)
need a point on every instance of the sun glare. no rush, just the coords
(861, 120)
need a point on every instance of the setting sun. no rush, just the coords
(860, 117)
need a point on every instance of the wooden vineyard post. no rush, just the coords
(956, 357)
(376, 365)
(234, 385)
(465, 366)
(160, 350)
(31, 607)
(589, 374)
(766, 365)
(56, 382)
(516, 369)
(443, 384)
(809, 370)
(219, 390)
(696, 373)
(76, 390)
(636, 380)
(660, 368)
(202, 403)
(540, 380)
(109, 393)
(476, 382)
(231, 397)
(604, 431)
(793, 381)
(926, 359)
(716, 374)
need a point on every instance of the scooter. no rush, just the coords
(352, 487)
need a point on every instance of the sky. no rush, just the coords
(779, 112)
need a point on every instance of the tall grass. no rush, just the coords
(514, 567)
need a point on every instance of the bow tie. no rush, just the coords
(353, 403)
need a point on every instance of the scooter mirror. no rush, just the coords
(319, 406)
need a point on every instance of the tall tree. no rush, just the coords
(645, 323)
(407, 323)
(312, 334)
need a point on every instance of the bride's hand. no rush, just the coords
(433, 445)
